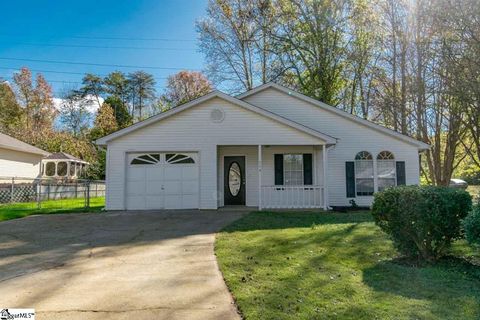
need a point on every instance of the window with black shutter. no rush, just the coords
(401, 177)
(293, 169)
(279, 169)
(350, 178)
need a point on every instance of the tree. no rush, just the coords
(142, 89)
(92, 86)
(361, 60)
(10, 111)
(120, 110)
(310, 43)
(460, 27)
(74, 115)
(412, 66)
(37, 103)
(80, 147)
(116, 84)
(235, 39)
(105, 122)
(186, 86)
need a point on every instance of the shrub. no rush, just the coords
(471, 225)
(421, 221)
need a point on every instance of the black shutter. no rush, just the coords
(401, 179)
(279, 169)
(350, 178)
(307, 169)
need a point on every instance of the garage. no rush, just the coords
(162, 180)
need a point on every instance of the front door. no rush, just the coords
(234, 180)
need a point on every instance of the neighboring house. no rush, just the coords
(269, 147)
(19, 159)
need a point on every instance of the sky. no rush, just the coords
(158, 35)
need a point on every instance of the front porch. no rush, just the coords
(273, 176)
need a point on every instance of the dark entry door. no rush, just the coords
(234, 180)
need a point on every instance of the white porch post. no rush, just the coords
(325, 193)
(259, 177)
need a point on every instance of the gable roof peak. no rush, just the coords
(217, 93)
(419, 144)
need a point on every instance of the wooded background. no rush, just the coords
(412, 66)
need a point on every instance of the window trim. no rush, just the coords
(391, 158)
(285, 170)
(364, 156)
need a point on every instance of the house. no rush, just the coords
(269, 147)
(19, 159)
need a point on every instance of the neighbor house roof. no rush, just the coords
(421, 145)
(63, 156)
(218, 94)
(11, 143)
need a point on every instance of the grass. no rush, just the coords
(339, 266)
(20, 210)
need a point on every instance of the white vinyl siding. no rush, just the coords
(353, 137)
(19, 164)
(192, 130)
(268, 170)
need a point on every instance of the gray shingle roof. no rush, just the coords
(62, 156)
(11, 143)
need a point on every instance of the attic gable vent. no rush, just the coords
(217, 115)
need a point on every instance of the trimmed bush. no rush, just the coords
(471, 225)
(421, 221)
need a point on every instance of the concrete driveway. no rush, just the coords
(136, 265)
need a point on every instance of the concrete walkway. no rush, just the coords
(136, 265)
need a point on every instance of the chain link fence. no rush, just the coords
(45, 194)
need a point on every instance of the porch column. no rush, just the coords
(259, 177)
(325, 193)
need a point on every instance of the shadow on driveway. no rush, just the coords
(116, 265)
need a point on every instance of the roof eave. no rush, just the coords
(103, 141)
(39, 152)
(419, 144)
(324, 137)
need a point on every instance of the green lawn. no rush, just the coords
(19, 210)
(338, 266)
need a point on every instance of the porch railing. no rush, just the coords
(292, 197)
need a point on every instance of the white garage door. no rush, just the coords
(162, 181)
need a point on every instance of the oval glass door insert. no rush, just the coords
(234, 179)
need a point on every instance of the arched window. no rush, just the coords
(178, 158)
(386, 170)
(152, 158)
(364, 181)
